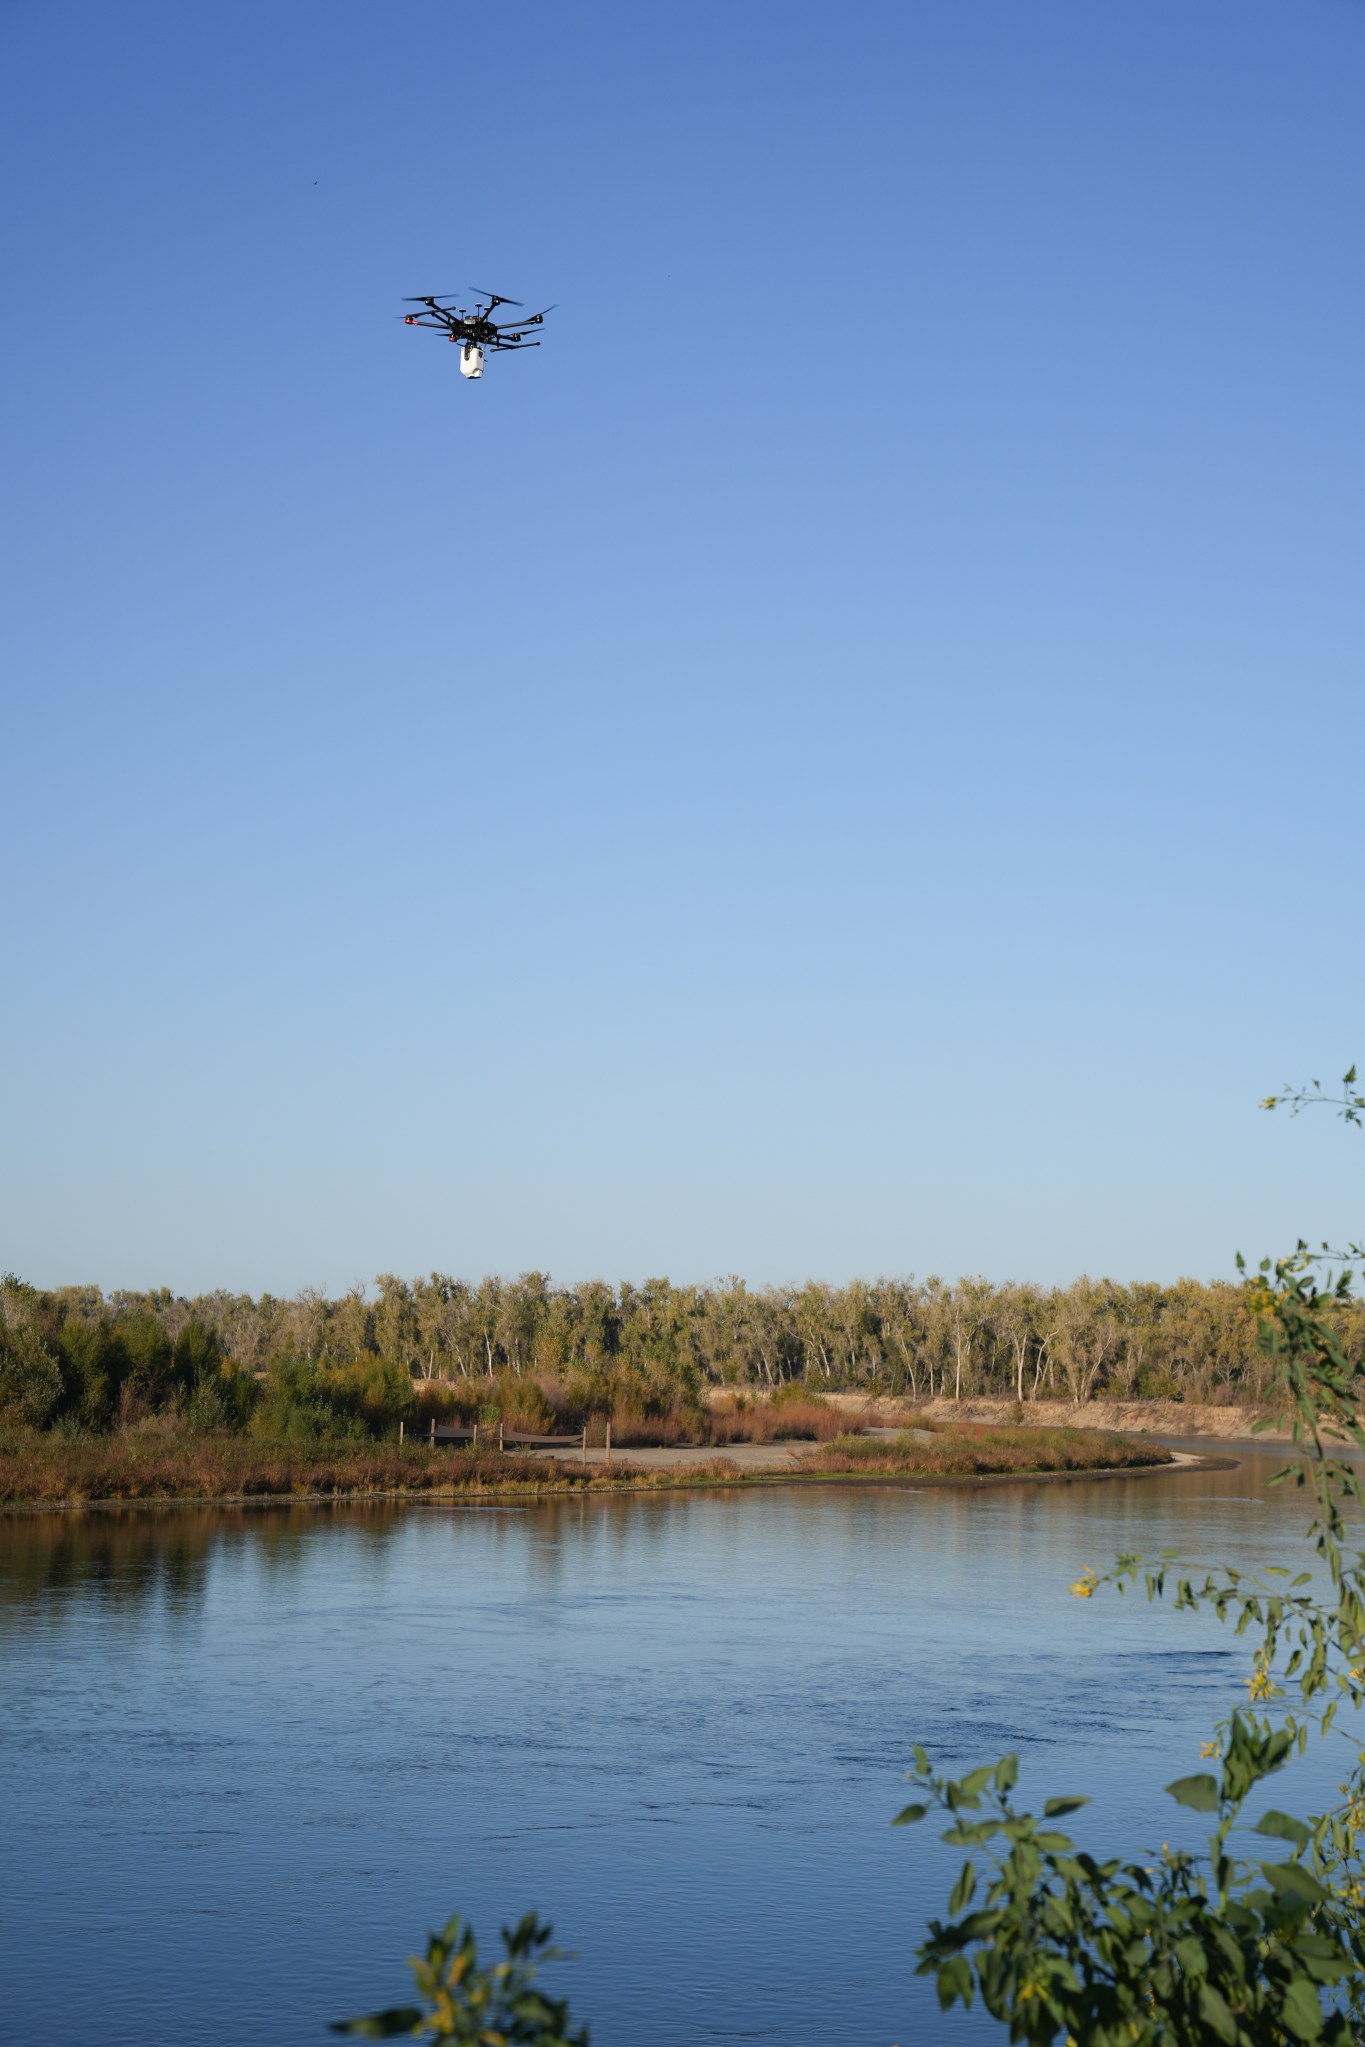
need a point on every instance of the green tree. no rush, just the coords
(30, 1376)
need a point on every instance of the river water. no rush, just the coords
(250, 1757)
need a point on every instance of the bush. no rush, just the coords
(792, 1415)
(30, 1379)
(306, 1401)
(140, 1354)
(87, 1384)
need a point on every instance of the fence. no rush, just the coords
(487, 1433)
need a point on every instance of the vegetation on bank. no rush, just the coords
(976, 1450)
(540, 1356)
(156, 1462)
(52, 1469)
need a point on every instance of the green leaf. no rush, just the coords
(908, 1815)
(1057, 1808)
(1291, 1879)
(1215, 2014)
(1281, 1826)
(954, 1981)
(964, 1889)
(382, 2025)
(1301, 2011)
(1199, 1793)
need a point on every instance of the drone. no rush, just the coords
(477, 333)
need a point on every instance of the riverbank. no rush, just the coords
(1131, 1417)
(45, 1471)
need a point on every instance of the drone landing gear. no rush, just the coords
(471, 359)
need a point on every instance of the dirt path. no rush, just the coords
(787, 1457)
(746, 1456)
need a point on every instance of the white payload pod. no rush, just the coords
(471, 359)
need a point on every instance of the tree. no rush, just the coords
(968, 1310)
(1017, 1322)
(30, 1376)
(1087, 1336)
(395, 1322)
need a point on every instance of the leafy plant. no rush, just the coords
(497, 2007)
(1244, 1945)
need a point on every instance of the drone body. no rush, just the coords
(477, 334)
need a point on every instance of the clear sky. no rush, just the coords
(848, 760)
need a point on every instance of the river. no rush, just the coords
(250, 1757)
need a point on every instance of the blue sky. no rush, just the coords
(846, 760)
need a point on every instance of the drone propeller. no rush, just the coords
(531, 320)
(496, 296)
(428, 298)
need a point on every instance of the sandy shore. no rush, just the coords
(776, 1457)
(677, 1456)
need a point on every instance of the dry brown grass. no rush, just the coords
(50, 1470)
(973, 1450)
(148, 1465)
(809, 1420)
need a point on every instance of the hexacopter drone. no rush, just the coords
(476, 333)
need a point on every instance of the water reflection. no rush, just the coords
(133, 1556)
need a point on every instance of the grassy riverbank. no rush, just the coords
(974, 1450)
(45, 1469)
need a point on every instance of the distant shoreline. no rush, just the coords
(632, 1481)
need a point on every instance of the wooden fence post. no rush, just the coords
(585, 1442)
(433, 1428)
(400, 1431)
(499, 1435)
(609, 1439)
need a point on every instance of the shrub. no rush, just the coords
(87, 1384)
(791, 1416)
(30, 1378)
(970, 1449)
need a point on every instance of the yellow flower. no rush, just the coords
(1260, 1685)
(1209, 1748)
(1084, 1586)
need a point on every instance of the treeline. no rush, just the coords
(363, 1361)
